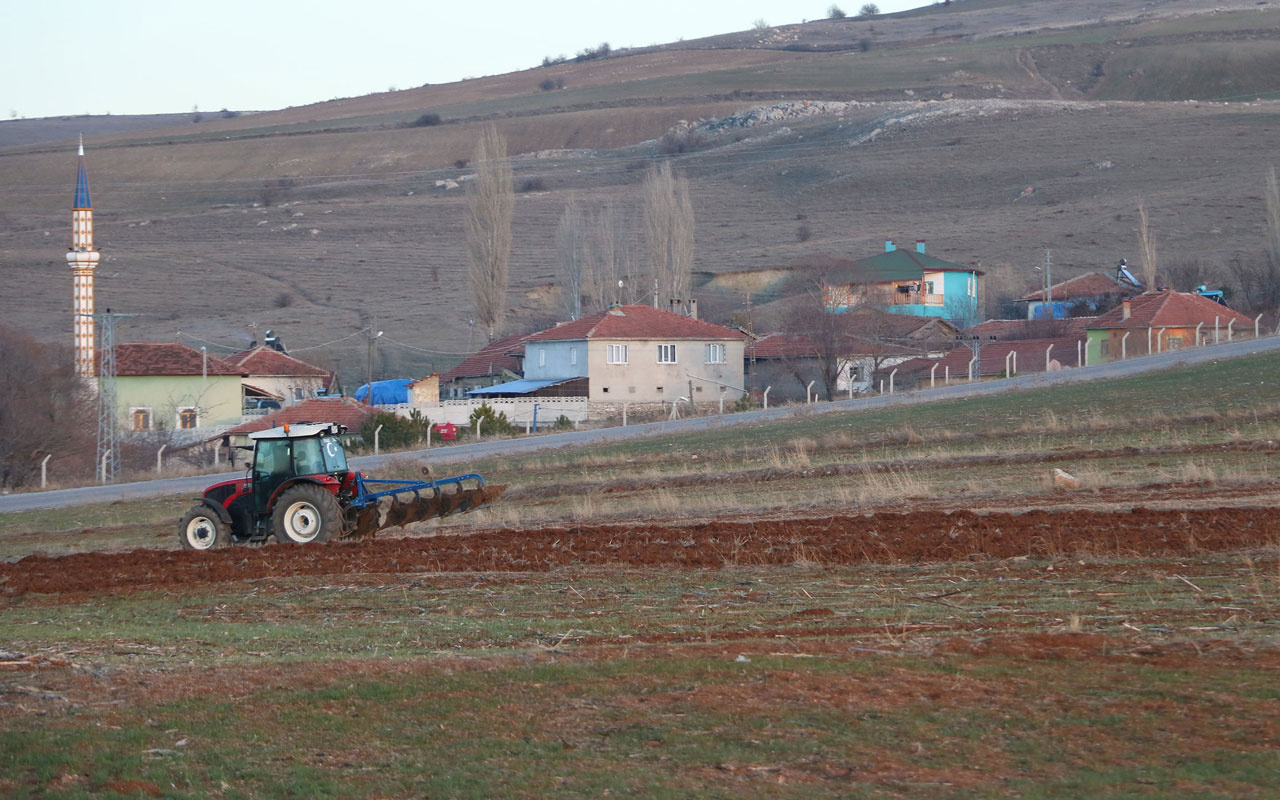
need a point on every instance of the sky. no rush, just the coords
(65, 57)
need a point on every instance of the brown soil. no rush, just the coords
(913, 537)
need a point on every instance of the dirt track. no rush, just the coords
(922, 536)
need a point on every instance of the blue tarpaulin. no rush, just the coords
(386, 393)
(522, 386)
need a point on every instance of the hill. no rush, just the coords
(993, 129)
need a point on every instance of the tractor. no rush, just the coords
(299, 490)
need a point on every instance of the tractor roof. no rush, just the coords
(300, 430)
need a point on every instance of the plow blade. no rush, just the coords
(399, 507)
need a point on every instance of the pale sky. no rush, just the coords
(63, 57)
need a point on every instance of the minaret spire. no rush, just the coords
(83, 259)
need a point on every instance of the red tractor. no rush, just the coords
(299, 489)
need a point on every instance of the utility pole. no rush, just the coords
(107, 462)
(373, 349)
(1048, 280)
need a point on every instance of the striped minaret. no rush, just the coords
(83, 259)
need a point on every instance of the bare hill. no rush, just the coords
(992, 129)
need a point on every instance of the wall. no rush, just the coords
(643, 380)
(559, 359)
(283, 385)
(218, 398)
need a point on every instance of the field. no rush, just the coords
(885, 604)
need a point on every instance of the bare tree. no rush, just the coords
(810, 317)
(45, 410)
(490, 204)
(1146, 247)
(668, 231)
(1259, 278)
(574, 265)
(1273, 216)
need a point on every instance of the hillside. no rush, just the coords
(993, 129)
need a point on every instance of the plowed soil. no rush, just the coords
(915, 537)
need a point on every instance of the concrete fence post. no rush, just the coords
(376, 434)
(625, 406)
(946, 375)
(102, 468)
(478, 421)
(808, 395)
(766, 397)
(1047, 357)
(44, 471)
(1198, 326)
(1230, 324)
(1257, 326)
(1124, 345)
(972, 361)
(1215, 329)
(1160, 340)
(891, 374)
(1007, 356)
(160, 459)
(932, 371)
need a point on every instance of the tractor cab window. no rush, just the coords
(335, 458)
(271, 457)
(307, 457)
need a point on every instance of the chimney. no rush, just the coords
(888, 246)
(693, 309)
(1126, 308)
(919, 245)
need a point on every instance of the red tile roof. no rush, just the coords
(136, 359)
(1169, 309)
(781, 345)
(1030, 328)
(263, 361)
(341, 410)
(869, 321)
(636, 322)
(492, 359)
(1091, 284)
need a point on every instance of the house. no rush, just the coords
(1160, 321)
(1084, 295)
(908, 282)
(277, 375)
(993, 359)
(170, 386)
(786, 363)
(425, 390)
(341, 410)
(495, 363)
(637, 354)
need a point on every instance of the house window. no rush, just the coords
(542, 358)
(1106, 347)
(298, 393)
(715, 354)
(617, 354)
(666, 354)
(604, 390)
(573, 356)
(1173, 343)
(659, 390)
(631, 390)
(141, 419)
(188, 418)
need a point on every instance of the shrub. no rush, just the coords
(461, 163)
(681, 141)
(397, 432)
(868, 10)
(835, 12)
(563, 423)
(803, 234)
(864, 45)
(744, 403)
(532, 185)
(760, 25)
(284, 300)
(427, 120)
(492, 423)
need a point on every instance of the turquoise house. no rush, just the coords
(906, 282)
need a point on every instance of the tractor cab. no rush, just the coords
(294, 451)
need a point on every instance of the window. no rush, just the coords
(298, 393)
(604, 390)
(666, 354)
(542, 358)
(573, 356)
(188, 418)
(617, 354)
(1173, 343)
(715, 354)
(141, 419)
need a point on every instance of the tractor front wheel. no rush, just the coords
(306, 513)
(201, 529)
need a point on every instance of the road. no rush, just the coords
(469, 453)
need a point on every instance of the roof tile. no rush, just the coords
(636, 322)
(137, 359)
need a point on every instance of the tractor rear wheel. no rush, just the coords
(306, 513)
(201, 529)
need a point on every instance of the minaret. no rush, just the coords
(83, 259)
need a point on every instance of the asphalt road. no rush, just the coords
(468, 453)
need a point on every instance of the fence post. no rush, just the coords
(1082, 354)
(478, 421)
(102, 467)
(624, 414)
(160, 459)
(1198, 326)
(1160, 340)
(1047, 357)
(891, 374)
(972, 361)
(44, 473)
(1215, 328)
(766, 397)
(808, 398)
(1230, 323)
(946, 375)
(933, 371)
(1124, 348)
(376, 432)
(721, 399)
(1257, 325)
